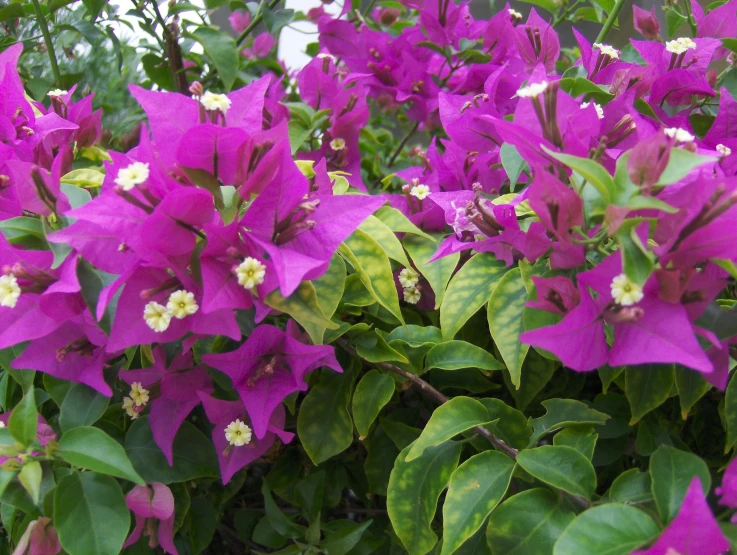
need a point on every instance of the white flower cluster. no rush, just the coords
(181, 304)
(532, 91)
(408, 279)
(681, 45)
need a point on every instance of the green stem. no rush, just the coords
(47, 39)
(256, 20)
(610, 20)
(566, 13)
(690, 18)
(404, 142)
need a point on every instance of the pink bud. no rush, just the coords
(646, 23)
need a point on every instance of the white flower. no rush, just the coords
(138, 394)
(129, 408)
(724, 150)
(597, 107)
(412, 295)
(133, 175)
(182, 304)
(156, 316)
(9, 291)
(607, 50)
(679, 46)
(408, 277)
(215, 102)
(680, 135)
(57, 93)
(237, 433)
(533, 90)
(2, 425)
(420, 191)
(325, 55)
(514, 13)
(625, 292)
(250, 273)
(337, 144)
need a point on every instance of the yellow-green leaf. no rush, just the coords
(475, 488)
(383, 235)
(372, 393)
(301, 305)
(374, 269)
(85, 177)
(329, 290)
(505, 314)
(437, 273)
(468, 291)
(449, 419)
(413, 492)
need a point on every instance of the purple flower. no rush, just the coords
(154, 510)
(268, 367)
(171, 391)
(646, 23)
(40, 538)
(694, 531)
(234, 455)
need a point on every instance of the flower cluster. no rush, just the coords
(610, 188)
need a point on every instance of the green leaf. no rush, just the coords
(691, 387)
(372, 265)
(275, 20)
(468, 291)
(561, 467)
(548, 5)
(504, 312)
(581, 438)
(30, 478)
(730, 413)
(302, 305)
(204, 523)
(93, 449)
(11, 11)
(449, 419)
(674, 19)
(680, 163)
(24, 231)
(23, 420)
(528, 523)
(372, 393)
(637, 261)
(329, 290)
(507, 423)
(372, 346)
(345, 539)
(383, 235)
(437, 273)
(324, 424)
(454, 355)
(194, 455)
(611, 529)
(632, 486)
(591, 171)
(475, 488)
(564, 413)
(82, 406)
(647, 386)
(671, 471)
(222, 49)
(414, 489)
(512, 162)
(94, 504)
(399, 223)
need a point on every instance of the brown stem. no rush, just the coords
(440, 398)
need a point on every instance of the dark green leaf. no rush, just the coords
(454, 355)
(528, 523)
(372, 393)
(23, 421)
(671, 471)
(561, 467)
(92, 503)
(563, 413)
(222, 49)
(611, 529)
(82, 406)
(647, 387)
(93, 449)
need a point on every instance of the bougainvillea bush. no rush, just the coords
(451, 287)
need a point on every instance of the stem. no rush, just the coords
(256, 20)
(47, 39)
(404, 142)
(558, 20)
(690, 18)
(440, 398)
(610, 21)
